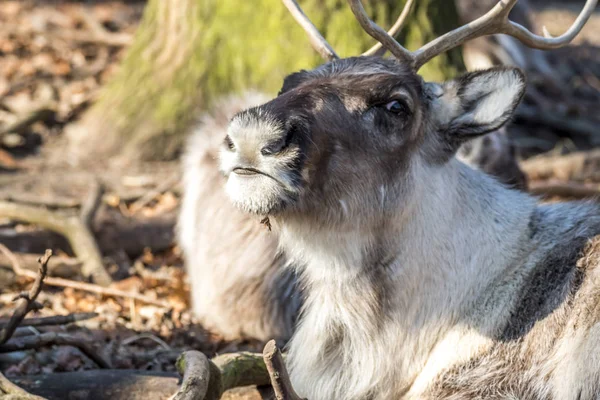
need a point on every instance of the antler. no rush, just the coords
(317, 40)
(394, 29)
(495, 21)
(321, 45)
(378, 33)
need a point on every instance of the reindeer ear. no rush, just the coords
(293, 80)
(480, 102)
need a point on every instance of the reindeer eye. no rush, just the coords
(396, 107)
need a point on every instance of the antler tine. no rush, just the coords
(378, 33)
(547, 41)
(317, 40)
(394, 29)
(496, 21)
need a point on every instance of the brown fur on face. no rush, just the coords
(343, 133)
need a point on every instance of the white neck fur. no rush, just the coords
(379, 299)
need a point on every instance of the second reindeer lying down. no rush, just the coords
(423, 277)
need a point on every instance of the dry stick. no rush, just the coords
(87, 287)
(280, 379)
(72, 228)
(55, 320)
(26, 301)
(51, 339)
(13, 392)
(194, 367)
(64, 267)
(224, 372)
(241, 369)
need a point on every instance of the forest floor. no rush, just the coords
(54, 58)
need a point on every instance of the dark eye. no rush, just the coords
(396, 107)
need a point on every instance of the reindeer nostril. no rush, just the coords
(273, 148)
(279, 145)
(229, 143)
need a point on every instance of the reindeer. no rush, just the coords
(422, 278)
(241, 287)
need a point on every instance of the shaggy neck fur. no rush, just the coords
(372, 314)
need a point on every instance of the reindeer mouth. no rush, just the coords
(253, 172)
(258, 192)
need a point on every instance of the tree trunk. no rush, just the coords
(188, 52)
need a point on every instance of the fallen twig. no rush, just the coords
(87, 287)
(106, 291)
(13, 392)
(63, 267)
(102, 384)
(54, 320)
(71, 227)
(241, 369)
(113, 233)
(194, 367)
(209, 379)
(280, 379)
(26, 301)
(51, 339)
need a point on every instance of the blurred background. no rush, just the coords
(98, 96)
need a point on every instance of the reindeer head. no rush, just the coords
(352, 137)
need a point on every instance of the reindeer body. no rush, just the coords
(240, 282)
(475, 293)
(423, 278)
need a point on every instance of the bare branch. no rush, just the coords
(280, 379)
(317, 40)
(55, 320)
(242, 369)
(52, 339)
(91, 204)
(13, 392)
(87, 287)
(64, 267)
(194, 367)
(394, 29)
(25, 301)
(71, 227)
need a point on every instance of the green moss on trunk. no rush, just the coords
(186, 53)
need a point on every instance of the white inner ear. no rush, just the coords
(490, 97)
